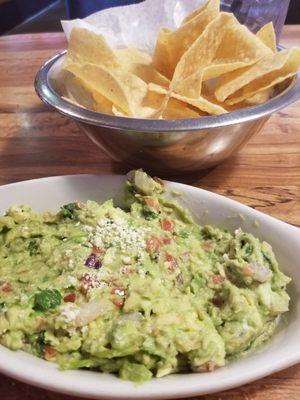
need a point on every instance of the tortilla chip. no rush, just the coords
(87, 47)
(123, 89)
(117, 112)
(102, 104)
(162, 56)
(214, 53)
(271, 70)
(177, 109)
(267, 35)
(211, 64)
(213, 5)
(201, 103)
(140, 64)
(260, 97)
(171, 45)
(190, 86)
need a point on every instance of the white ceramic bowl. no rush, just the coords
(282, 351)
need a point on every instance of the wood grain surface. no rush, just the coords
(36, 142)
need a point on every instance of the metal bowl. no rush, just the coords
(165, 147)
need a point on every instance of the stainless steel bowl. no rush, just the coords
(165, 147)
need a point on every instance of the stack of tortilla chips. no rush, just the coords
(210, 65)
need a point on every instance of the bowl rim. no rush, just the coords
(50, 97)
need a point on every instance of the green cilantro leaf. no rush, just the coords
(47, 299)
(37, 341)
(149, 215)
(183, 234)
(33, 247)
(67, 211)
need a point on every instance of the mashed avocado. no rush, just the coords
(139, 291)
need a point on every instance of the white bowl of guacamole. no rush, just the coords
(165, 291)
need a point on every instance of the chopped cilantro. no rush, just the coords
(46, 299)
(37, 341)
(183, 234)
(2, 305)
(33, 247)
(149, 215)
(67, 211)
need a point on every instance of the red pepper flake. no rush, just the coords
(70, 298)
(118, 303)
(6, 287)
(167, 225)
(218, 279)
(166, 240)
(49, 352)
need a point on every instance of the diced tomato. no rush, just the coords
(153, 245)
(172, 262)
(218, 279)
(97, 250)
(167, 225)
(49, 352)
(166, 240)
(118, 303)
(70, 298)
(6, 287)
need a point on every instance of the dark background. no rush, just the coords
(28, 16)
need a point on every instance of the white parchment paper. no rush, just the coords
(135, 25)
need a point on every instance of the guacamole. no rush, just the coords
(140, 291)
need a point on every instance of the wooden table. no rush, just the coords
(36, 141)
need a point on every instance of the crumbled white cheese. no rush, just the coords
(93, 280)
(119, 233)
(84, 329)
(69, 312)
